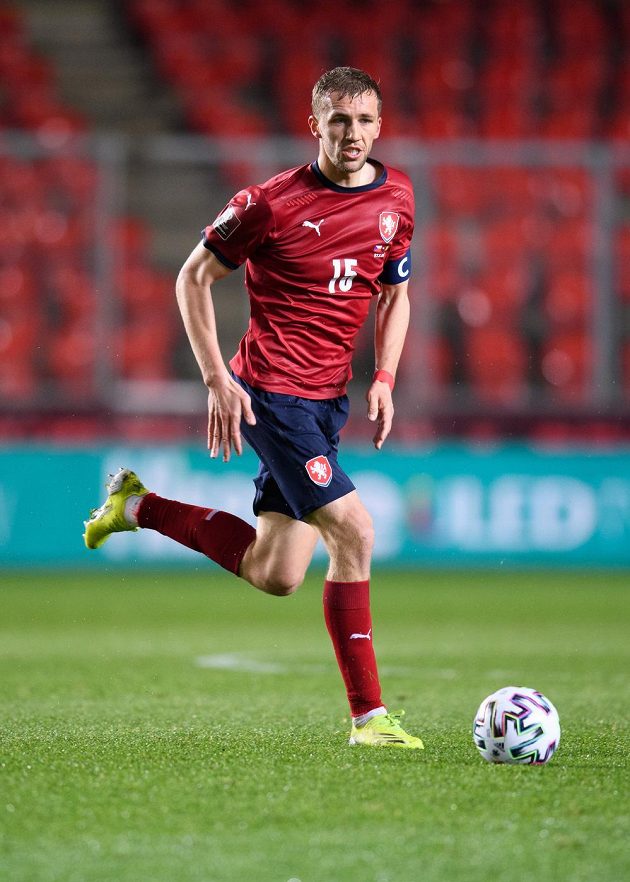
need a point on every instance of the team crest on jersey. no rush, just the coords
(227, 222)
(388, 224)
(319, 471)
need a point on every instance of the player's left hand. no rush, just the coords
(380, 410)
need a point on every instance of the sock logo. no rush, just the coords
(319, 470)
(359, 636)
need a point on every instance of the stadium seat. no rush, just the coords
(512, 191)
(579, 28)
(507, 287)
(20, 330)
(440, 122)
(146, 348)
(460, 191)
(441, 81)
(509, 240)
(71, 353)
(566, 365)
(72, 295)
(573, 82)
(575, 122)
(569, 244)
(496, 364)
(507, 118)
(17, 288)
(618, 126)
(130, 237)
(622, 263)
(568, 298)
(507, 77)
(512, 30)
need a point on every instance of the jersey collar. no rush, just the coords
(321, 177)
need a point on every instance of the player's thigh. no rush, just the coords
(344, 521)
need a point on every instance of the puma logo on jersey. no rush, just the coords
(359, 636)
(249, 201)
(314, 226)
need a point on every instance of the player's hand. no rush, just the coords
(228, 403)
(380, 410)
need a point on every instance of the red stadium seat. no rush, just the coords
(507, 288)
(71, 358)
(72, 294)
(576, 82)
(618, 126)
(512, 191)
(507, 118)
(20, 330)
(146, 348)
(130, 238)
(568, 298)
(496, 364)
(436, 29)
(17, 288)
(441, 122)
(566, 365)
(512, 30)
(509, 239)
(575, 122)
(622, 263)
(579, 27)
(70, 182)
(225, 116)
(18, 378)
(141, 290)
(567, 192)
(460, 190)
(509, 76)
(570, 244)
(441, 81)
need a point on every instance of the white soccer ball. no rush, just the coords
(516, 725)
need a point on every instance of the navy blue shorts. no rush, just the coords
(296, 440)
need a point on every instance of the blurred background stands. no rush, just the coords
(125, 127)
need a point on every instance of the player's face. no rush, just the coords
(346, 127)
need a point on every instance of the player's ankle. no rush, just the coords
(362, 719)
(132, 507)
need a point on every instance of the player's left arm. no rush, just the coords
(392, 321)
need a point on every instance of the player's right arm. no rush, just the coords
(227, 401)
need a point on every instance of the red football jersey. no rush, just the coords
(316, 253)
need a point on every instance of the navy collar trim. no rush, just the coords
(321, 177)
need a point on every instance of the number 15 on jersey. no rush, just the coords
(343, 274)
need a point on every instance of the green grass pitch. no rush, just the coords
(181, 727)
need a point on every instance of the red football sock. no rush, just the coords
(349, 623)
(221, 536)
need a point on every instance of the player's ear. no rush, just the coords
(378, 128)
(314, 127)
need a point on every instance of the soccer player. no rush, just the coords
(318, 241)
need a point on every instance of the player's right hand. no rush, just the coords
(228, 403)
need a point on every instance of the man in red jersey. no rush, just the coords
(319, 241)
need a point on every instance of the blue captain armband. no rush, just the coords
(397, 271)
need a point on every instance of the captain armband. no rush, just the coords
(397, 271)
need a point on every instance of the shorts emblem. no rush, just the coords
(319, 471)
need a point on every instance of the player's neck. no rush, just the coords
(366, 175)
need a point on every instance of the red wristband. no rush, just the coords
(384, 377)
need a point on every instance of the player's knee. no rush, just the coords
(284, 583)
(359, 530)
